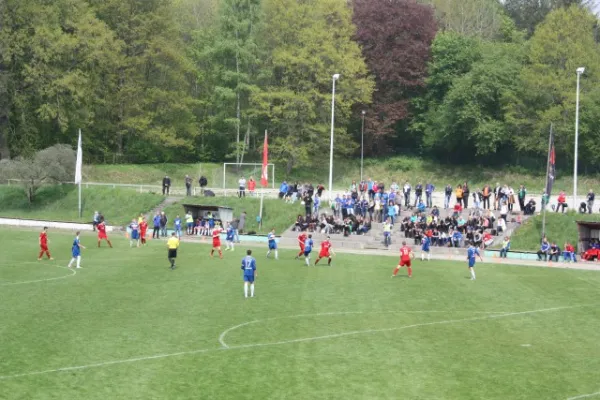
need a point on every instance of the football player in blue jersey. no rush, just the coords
(272, 244)
(308, 245)
(425, 244)
(472, 253)
(229, 239)
(249, 268)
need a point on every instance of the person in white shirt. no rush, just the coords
(242, 186)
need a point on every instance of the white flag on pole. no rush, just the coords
(79, 162)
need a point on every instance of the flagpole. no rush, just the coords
(547, 176)
(79, 150)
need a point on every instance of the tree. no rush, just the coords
(305, 43)
(53, 165)
(473, 18)
(395, 37)
(560, 44)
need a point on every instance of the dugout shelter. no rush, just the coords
(589, 233)
(219, 213)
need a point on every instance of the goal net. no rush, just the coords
(232, 172)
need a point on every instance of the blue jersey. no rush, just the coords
(249, 267)
(177, 223)
(75, 250)
(425, 242)
(308, 245)
(472, 252)
(272, 242)
(230, 234)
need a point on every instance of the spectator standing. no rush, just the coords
(521, 195)
(466, 193)
(242, 187)
(459, 195)
(307, 204)
(156, 226)
(486, 193)
(545, 200)
(188, 185)
(252, 186)
(96, 220)
(511, 199)
(320, 189)
(370, 188)
(590, 200)
(497, 194)
(189, 223)
(562, 201)
(418, 193)
(447, 196)
(429, 188)
(242, 222)
(406, 191)
(163, 224)
(235, 226)
(202, 182)
(166, 185)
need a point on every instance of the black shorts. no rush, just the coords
(172, 253)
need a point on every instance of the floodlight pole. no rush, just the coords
(362, 144)
(335, 77)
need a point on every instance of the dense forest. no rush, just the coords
(201, 80)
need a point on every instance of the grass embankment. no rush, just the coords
(397, 169)
(560, 228)
(60, 203)
(276, 213)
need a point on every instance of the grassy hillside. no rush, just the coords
(276, 213)
(396, 169)
(60, 203)
(559, 228)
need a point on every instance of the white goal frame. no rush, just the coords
(272, 178)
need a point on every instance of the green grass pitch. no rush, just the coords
(126, 327)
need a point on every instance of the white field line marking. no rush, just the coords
(584, 396)
(200, 351)
(351, 333)
(228, 330)
(72, 270)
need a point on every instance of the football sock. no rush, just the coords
(71, 262)
(245, 289)
(428, 256)
(307, 259)
(422, 256)
(472, 273)
(409, 271)
(268, 253)
(329, 261)
(252, 290)
(316, 262)
(98, 243)
(276, 255)
(220, 254)
(78, 261)
(396, 271)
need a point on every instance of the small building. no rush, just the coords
(219, 213)
(589, 232)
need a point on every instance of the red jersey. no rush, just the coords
(101, 227)
(251, 185)
(325, 246)
(302, 239)
(43, 239)
(143, 227)
(405, 253)
(216, 233)
(562, 197)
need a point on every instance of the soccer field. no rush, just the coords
(126, 327)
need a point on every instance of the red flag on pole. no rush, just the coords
(264, 177)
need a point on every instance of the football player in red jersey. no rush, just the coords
(143, 230)
(405, 256)
(301, 241)
(102, 233)
(325, 251)
(44, 244)
(216, 237)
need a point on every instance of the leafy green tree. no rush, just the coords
(305, 44)
(560, 44)
(53, 165)
(473, 18)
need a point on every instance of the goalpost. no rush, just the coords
(255, 171)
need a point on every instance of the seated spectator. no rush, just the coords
(488, 239)
(530, 207)
(544, 250)
(554, 252)
(501, 225)
(457, 238)
(505, 247)
(569, 253)
(283, 189)
(421, 206)
(435, 212)
(582, 208)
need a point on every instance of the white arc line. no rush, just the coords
(72, 270)
(584, 396)
(256, 345)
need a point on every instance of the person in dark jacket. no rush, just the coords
(156, 226)
(166, 185)
(202, 182)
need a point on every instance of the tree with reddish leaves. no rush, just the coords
(395, 36)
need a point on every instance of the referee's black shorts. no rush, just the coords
(172, 253)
